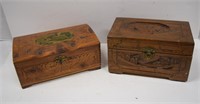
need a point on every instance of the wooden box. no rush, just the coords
(48, 55)
(156, 48)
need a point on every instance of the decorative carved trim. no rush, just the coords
(56, 66)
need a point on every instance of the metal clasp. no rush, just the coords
(149, 52)
(60, 59)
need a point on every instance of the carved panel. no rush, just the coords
(61, 64)
(159, 63)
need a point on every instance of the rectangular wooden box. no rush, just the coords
(48, 55)
(156, 48)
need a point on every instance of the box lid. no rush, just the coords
(158, 32)
(40, 45)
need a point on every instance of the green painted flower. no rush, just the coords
(53, 38)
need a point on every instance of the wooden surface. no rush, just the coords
(155, 30)
(43, 56)
(155, 48)
(100, 86)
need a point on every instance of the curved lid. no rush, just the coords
(48, 43)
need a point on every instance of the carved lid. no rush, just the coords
(155, 30)
(48, 43)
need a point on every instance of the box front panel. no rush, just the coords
(60, 65)
(173, 67)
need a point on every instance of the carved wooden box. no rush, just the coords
(43, 56)
(156, 48)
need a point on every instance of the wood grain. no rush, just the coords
(48, 55)
(156, 48)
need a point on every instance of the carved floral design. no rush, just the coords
(160, 62)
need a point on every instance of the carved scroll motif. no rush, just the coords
(138, 59)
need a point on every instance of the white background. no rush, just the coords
(31, 16)
(100, 86)
(199, 17)
(4, 30)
